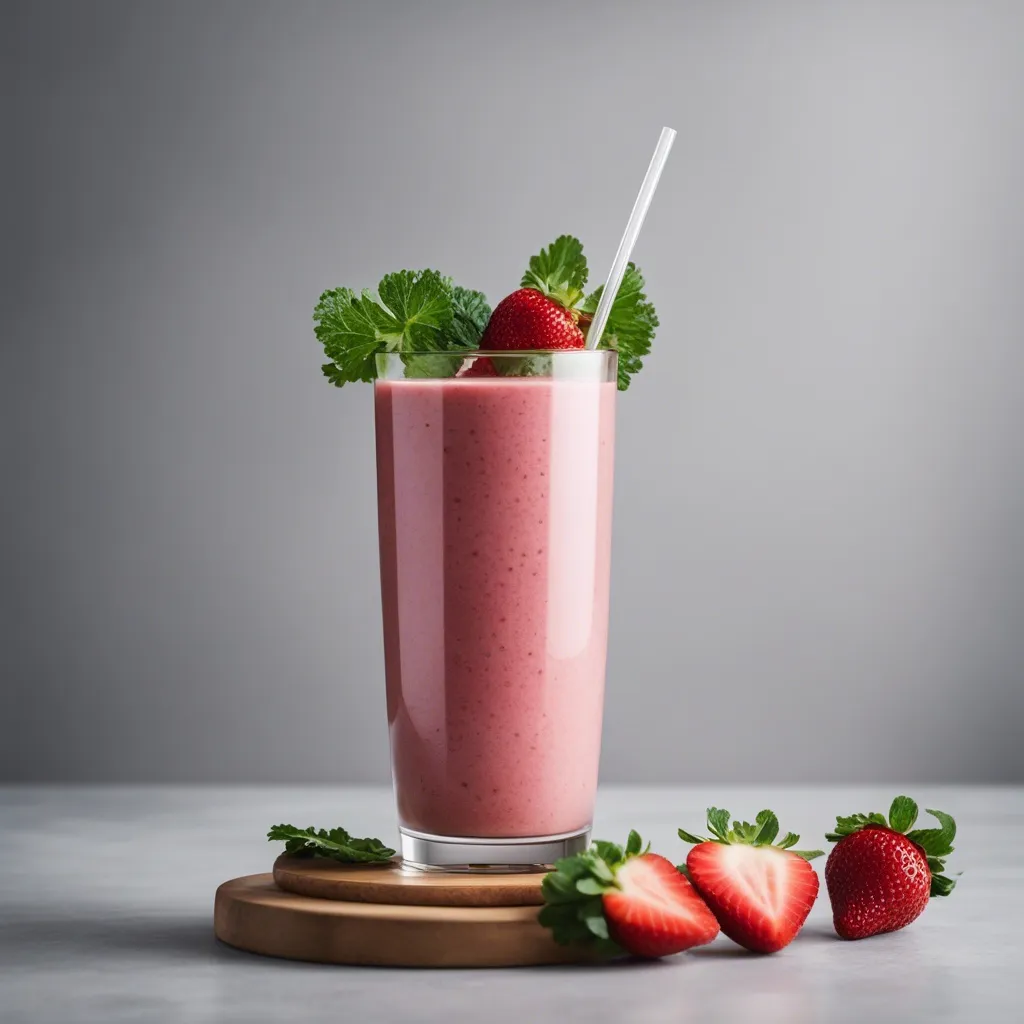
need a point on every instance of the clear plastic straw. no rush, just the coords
(636, 222)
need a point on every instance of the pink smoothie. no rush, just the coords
(495, 508)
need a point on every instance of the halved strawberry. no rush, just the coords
(761, 894)
(655, 911)
(619, 900)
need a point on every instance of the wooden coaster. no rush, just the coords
(391, 883)
(252, 913)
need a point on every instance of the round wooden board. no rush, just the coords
(251, 913)
(391, 883)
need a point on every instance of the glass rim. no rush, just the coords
(578, 364)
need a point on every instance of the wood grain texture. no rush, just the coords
(391, 883)
(253, 914)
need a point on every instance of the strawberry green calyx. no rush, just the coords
(936, 843)
(559, 271)
(572, 894)
(761, 833)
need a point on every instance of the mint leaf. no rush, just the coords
(559, 271)
(336, 844)
(631, 323)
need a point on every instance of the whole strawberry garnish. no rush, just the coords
(761, 894)
(624, 900)
(551, 310)
(542, 313)
(528, 320)
(880, 874)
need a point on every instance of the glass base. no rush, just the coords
(427, 852)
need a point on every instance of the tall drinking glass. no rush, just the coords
(494, 486)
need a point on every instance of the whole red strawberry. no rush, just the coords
(761, 894)
(880, 874)
(528, 320)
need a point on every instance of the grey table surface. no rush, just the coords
(106, 899)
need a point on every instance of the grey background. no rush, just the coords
(818, 564)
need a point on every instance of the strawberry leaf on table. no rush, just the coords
(559, 271)
(412, 311)
(631, 323)
(937, 843)
(336, 844)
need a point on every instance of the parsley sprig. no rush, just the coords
(418, 311)
(560, 272)
(412, 311)
(336, 844)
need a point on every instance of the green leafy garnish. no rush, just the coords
(470, 313)
(559, 271)
(631, 323)
(572, 894)
(412, 311)
(336, 844)
(937, 843)
(761, 832)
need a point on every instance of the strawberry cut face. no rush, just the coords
(760, 895)
(655, 911)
